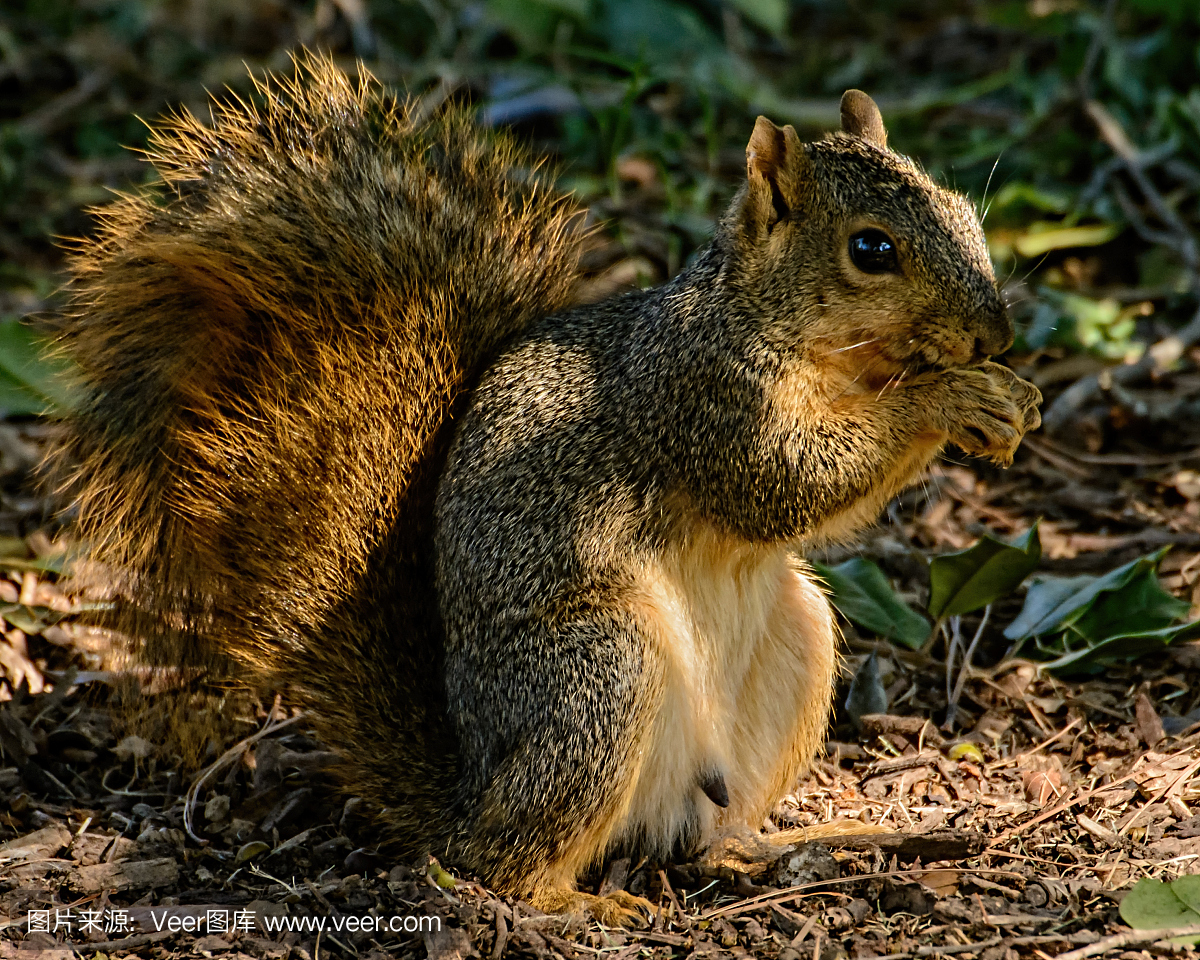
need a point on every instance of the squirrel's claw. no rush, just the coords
(617, 909)
(632, 910)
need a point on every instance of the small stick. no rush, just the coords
(230, 755)
(1119, 940)
(948, 948)
(952, 708)
(782, 896)
(999, 764)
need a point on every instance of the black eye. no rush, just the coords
(873, 251)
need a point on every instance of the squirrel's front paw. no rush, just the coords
(991, 409)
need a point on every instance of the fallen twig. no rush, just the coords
(1131, 938)
(1177, 237)
(931, 951)
(1056, 810)
(999, 764)
(947, 948)
(228, 757)
(782, 896)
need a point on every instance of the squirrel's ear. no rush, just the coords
(773, 160)
(861, 118)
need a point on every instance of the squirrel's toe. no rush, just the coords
(617, 909)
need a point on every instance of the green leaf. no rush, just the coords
(1154, 905)
(248, 851)
(1141, 605)
(970, 579)
(1187, 889)
(1043, 601)
(31, 620)
(1122, 647)
(30, 382)
(771, 15)
(1038, 242)
(863, 595)
(1020, 193)
(1055, 604)
(51, 563)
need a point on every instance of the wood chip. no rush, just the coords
(37, 845)
(127, 875)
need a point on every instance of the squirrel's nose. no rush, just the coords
(994, 340)
(993, 329)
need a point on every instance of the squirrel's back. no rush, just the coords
(269, 349)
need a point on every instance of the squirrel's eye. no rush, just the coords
(873, 251)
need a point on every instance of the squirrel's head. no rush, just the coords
(843, 242)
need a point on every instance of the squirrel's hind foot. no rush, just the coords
(617, 909)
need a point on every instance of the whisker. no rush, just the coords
(855, 346)
(865, 370)
(987, 206)
(1042, 259)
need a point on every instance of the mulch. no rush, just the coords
(1012, 833)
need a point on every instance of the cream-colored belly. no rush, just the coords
(742, 641)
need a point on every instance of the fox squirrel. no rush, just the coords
(532, 567)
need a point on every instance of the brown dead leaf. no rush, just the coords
(1041, 786)
(942, 882)
(1149, 725)
(1155, 773)
(16, 665)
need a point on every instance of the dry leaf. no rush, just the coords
(1041, 786)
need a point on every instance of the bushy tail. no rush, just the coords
(270, 349)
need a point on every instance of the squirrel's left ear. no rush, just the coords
(774, 160)
(861, 118)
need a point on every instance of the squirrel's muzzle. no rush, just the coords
(993, 331)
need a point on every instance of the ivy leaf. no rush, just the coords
(1055, 604)
(1124, 646)
(863, 596)
(1154, 905)
(1045, 599)
(970, 579)
(1141, 605)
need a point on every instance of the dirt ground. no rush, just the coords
(1013, 833)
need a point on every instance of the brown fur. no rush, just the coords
(533, 571)
(269, 351)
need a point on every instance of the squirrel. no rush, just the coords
(534, 568)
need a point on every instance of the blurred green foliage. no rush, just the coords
(649, 104)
